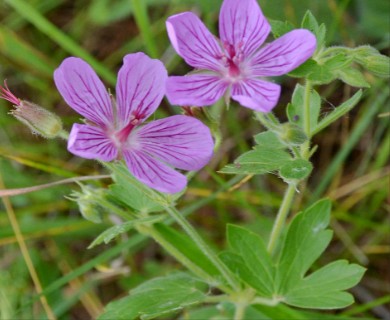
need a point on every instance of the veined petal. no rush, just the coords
(195, 90)
(256, 94)
(243, 25)
(82, 90)
(194, 42)
(284, 54)
(140, 87)
(91, 143)
(154, 173)
(181, 141)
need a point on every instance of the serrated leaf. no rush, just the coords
(305, 241)
(132, 193)
(113, 232)
(296, 110)
(157, 297)
(297, 169)
(268, 139)
(353, 77)
(258, 161)
(250, 259)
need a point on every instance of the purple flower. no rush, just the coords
(113, 128)
(235, 65)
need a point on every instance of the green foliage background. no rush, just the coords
(350, 166)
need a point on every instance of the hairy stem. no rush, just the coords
(240, 311)
(305, 149)
(281, 218)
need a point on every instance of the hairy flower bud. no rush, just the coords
(373, 61)
(292, 134)
(38, 119)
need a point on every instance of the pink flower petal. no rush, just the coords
(82, 90)
(242, 24)
(284, 54)
(256, 94)
(194, 42)
(91, 143)
(140, 87)
(181, 141)
(154, 173)
(195, 90)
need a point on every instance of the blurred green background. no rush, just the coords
(351, 164)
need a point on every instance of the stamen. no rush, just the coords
(6, 94)
(124, 133)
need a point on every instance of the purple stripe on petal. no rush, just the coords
(82, 90)
(91, 143)
(195, 90)
(243, 25)
(181, 141)
(194, 42)
(256, 94)
(154, 173)
(140, 87)
(284, 54)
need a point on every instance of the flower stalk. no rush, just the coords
(189, 229)
(281, 217)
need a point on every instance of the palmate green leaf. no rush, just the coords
(113, 232)
(248, 258)
(258, 161)
(323, 288)
(158, 297)
(129, 191)
(305, 241)
(295, 109)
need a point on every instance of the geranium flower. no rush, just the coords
(113, 128)
(235, 65)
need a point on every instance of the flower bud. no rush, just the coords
(292, 134)
(379, 65)
(38, 119)
(371, 59)
(88, 202)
